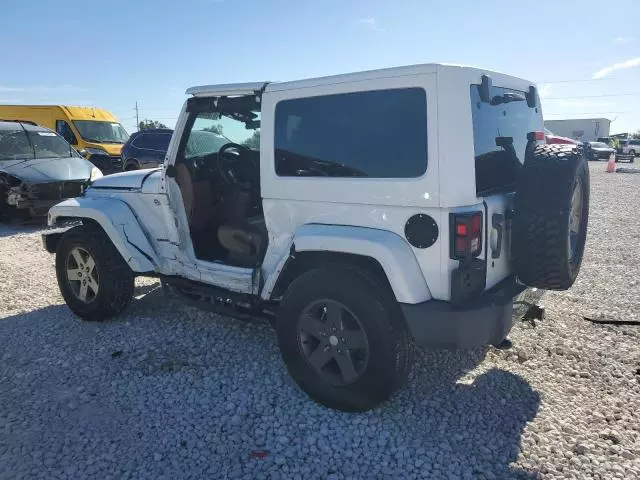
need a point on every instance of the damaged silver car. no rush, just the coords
(38, 169)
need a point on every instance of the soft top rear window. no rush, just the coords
(500, 129)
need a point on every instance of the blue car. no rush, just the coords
(146, 149)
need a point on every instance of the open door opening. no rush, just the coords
(218, 171)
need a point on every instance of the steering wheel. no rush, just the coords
(233, 167)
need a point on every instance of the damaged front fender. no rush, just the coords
(11, 189)
(119, 223)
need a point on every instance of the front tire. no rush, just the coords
(93, 278)
(343, 339)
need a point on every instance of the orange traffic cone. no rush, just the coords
(611, 164)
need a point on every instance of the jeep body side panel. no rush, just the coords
(370, 203)
(119, 223)
(390, 250)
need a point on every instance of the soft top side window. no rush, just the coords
(375, 134)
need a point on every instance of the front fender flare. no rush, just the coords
(119, 223)
(391, 251)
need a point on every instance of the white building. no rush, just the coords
(583, 129)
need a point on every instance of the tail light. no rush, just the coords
(540, 137)
(466, 235)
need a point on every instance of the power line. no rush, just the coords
(581, 80)
(593, 96)
(586, 113)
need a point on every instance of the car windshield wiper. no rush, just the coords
(507, 98)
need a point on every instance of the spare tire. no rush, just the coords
(551, 216)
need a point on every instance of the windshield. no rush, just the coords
(26, 145)
(101, 132)
(599, 145)
(211, 131)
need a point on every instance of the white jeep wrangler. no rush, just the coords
(364, 212)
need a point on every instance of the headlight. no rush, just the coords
(95, 151)
(95, 174)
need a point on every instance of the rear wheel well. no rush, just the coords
(301, 262)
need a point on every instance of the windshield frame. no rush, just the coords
(243, 109)
(80, 125)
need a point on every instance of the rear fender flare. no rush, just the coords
(391, 251)
(119, 223)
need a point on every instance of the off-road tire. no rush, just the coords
(116, 280)
(541, 223)
(390, 346)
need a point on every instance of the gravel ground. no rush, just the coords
(166, 391)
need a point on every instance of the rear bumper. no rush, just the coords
(487, 321)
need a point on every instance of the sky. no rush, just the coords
(584, 55)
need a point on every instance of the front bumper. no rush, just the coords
(486, 321)
(38, 198)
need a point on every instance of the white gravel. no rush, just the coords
(166, 391)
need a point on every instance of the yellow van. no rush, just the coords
(94, 132)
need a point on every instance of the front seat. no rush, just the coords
(196, 197)
(245, 239)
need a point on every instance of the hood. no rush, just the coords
(111, 148)
(132, 180)
(44, 170)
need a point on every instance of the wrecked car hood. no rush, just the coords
(43, 170)
(132, 180)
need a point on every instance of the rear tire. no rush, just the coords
(380, 353)
(94, 280)
(552, 212)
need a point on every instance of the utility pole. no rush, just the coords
(137, 119)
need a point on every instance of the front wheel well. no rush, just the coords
(301, 262)
(131, 162)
